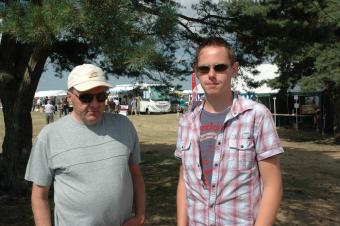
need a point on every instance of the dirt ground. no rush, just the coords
(310, 170)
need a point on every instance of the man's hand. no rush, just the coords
(134, 221)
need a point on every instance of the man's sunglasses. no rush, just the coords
(204, 69)
(88, 97)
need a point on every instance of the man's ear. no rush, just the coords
(234, 69)
(196, 75)
(69, 94)
(196, 72)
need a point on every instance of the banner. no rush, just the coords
(193, 86)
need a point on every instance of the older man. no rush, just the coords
(91, 157)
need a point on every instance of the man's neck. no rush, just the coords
(215, 104)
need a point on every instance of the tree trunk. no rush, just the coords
(21, 67)
(336, 122)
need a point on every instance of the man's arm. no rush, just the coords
(40, 205)
(272, 191)
(138, 196)
(181, 200)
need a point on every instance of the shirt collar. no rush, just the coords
(240, 104)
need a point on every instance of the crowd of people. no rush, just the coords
(61, 106)
(228, 147)
(52, 105)
(113, 104)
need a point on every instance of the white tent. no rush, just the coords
(50, 93)
(266, 72)
(121, 89)
(199, 90)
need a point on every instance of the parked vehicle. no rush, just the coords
(153, 98)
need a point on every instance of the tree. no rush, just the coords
(300, 36)
(141, 38)
(115, 34)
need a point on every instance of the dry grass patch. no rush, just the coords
(310, 168)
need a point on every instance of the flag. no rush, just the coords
(193, 86)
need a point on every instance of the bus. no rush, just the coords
(153, 98)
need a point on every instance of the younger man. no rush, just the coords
(230, 174)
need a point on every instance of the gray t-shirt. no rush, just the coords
(89, 167)
(211, 125)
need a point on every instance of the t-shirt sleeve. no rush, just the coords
(267, 142)
(38, 170)
(135, 150)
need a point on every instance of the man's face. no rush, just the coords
(215, 70)
(88, 106)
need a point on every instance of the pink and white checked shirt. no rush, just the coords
(233, 197)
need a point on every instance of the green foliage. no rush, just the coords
(301, 37)
(166, 22)
(126, 38)
(327, 68)
(35, 24)
(140, 55)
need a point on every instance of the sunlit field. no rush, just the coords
(310, 167)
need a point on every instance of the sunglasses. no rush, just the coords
(88, 97)
(204, 69)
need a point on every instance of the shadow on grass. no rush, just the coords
(160, 169)
(304, 136)
(15, 211)
(311, 182)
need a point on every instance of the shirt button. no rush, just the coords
(219, 143)
(213, 185)
(212, 205)
(216, 164)
(241, 146)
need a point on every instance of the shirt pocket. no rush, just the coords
(184, 145)
(192, 170)
(241, 154)
(188, 156)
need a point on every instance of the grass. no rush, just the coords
(310, 170)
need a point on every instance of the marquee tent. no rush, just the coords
(50, 93)
(118, 89)
(266, 72)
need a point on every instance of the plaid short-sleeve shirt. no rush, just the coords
(248, 136)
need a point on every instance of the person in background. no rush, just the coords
(34, 104)
(92, 160)
(116, 102)
(60, 108)
(49, 112)
(65, 106)
(133, 106)
(39, 103)
(138, 100)
(181, 106)
(45, 100)
(228, 147)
